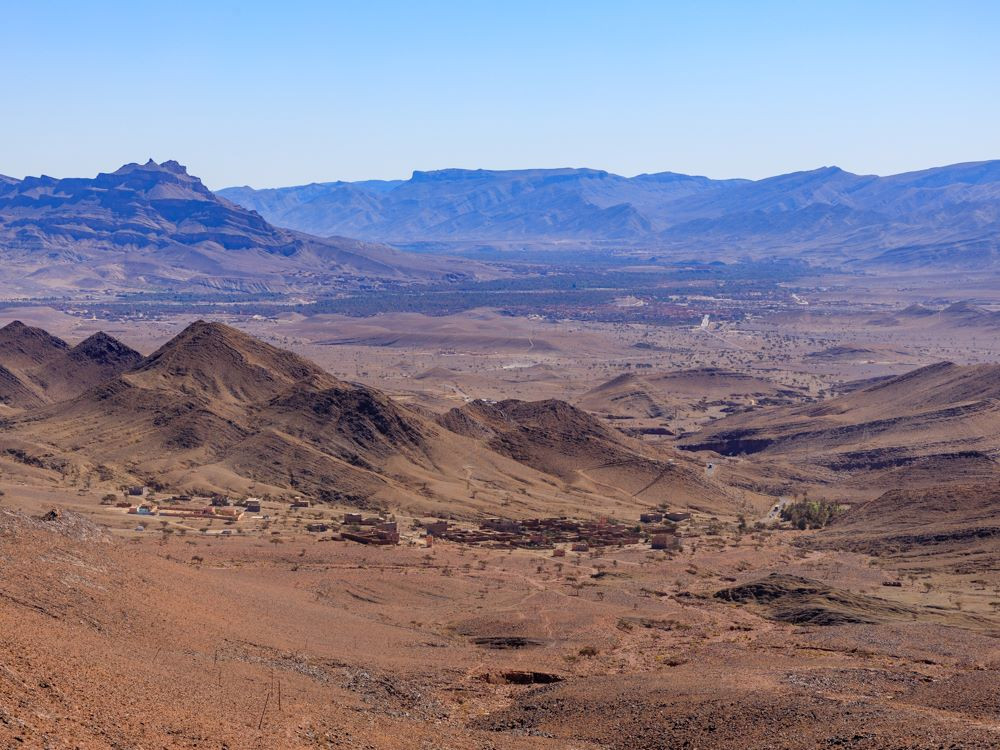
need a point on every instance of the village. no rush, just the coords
(658, 529)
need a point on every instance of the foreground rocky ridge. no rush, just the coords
(214, 409)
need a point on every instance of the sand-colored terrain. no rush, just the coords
(195, 629)
(187, 640)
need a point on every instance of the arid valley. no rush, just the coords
(459, 532)
(500, 376)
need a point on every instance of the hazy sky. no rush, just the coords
(278, 93)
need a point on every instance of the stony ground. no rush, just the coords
(165, 641)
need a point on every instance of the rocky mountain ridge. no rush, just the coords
(154, 226)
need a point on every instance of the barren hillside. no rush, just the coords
(559, 439)
(214, 409)
(39, 368)
(928, 419)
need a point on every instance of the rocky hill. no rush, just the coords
(659, 394)
(215, 409)
(912, 428)
(215, 396)
(37, 368)
(957, 525)
(558, 439)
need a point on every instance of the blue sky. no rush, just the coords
(279, 93)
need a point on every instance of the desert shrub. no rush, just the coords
(810, 514)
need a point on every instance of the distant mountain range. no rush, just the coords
(942, 217)
(155, 226)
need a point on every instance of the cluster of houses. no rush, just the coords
(546, 533)
(534, 533)
(185, 506)
(556, 533)
(661, 516)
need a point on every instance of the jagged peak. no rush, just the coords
(171, 166)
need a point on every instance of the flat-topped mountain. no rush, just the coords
(154, 225)
(483, 204)
(946, 216)
(462, 204)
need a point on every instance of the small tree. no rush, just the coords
(810, 514)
